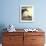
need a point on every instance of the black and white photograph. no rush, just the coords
(26, 13)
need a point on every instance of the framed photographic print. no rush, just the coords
(26, 13)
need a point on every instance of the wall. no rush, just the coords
(9, 13)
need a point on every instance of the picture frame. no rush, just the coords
(26, 13)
